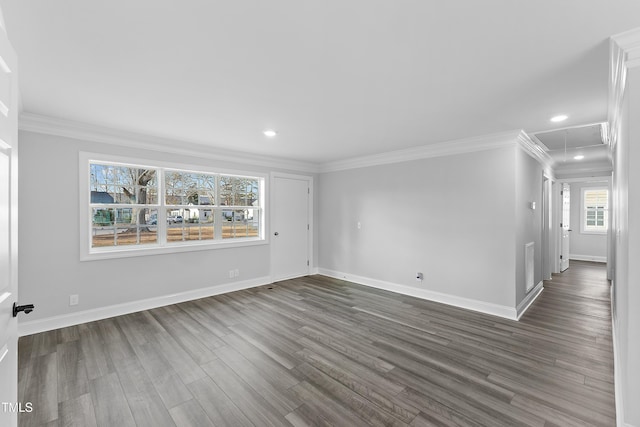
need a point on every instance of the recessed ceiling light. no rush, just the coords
(270, 133)
(578, 157)
(560, 118)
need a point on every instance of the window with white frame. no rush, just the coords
(194, 202)
(136, 206)
(123, 201)
(595, 210)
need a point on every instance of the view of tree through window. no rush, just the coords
(134, 191)
(196, 206)
(241, 194)
(184, 193)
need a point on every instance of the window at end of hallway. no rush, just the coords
(595, 210)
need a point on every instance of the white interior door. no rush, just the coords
(290, 226)
(566, 227)
(8, 234)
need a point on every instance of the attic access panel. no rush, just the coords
(584, 136)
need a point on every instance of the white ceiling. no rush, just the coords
(336, 79)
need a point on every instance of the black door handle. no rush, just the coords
(28, 308)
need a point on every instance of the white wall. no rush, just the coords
(626, 289)
(627, 275)
(631, 334)
(585, 246)
(450, 217)
(528, 176)
(49, 266)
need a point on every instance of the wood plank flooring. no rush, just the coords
(320, 351)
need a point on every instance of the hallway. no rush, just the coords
(575, 307)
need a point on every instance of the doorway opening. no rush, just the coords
(584, 221)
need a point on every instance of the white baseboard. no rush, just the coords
(529, 299)
(617, 374)
(64, 320)
(578, 257)
(466, 303)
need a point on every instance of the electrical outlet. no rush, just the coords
(236, 272)
(231, 274)
(74, 299)
(359, 225)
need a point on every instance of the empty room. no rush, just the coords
(293, 213)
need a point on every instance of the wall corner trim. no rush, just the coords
(453, 300)
(30, 122)
(70, 319)
(440, 149)
(529, 299)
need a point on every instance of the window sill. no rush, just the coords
(601, 233)
(147, 250)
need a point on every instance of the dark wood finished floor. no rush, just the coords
(319, 351)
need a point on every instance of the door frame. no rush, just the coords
(557, 212)
(547, 226)
(565, 185)
(556, 231)
(310, 181)
(557, 206)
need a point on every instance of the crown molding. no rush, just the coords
(536, 151)
(537, 141)
(629, 43)
(584, 171)
(441, 149)
(541, 132)
(88, 132)
(590, 180)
